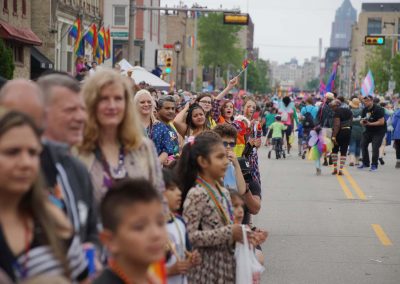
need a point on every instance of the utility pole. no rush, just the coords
(131, 34)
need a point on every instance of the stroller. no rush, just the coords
(277, 146)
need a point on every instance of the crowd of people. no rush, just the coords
(105, 181)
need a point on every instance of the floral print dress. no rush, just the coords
(209, 234)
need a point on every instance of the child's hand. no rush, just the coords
(231, 156)
(194, 257)
(180, 267)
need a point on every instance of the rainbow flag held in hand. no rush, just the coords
(245, 64)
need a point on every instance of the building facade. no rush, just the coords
(345, 17)
(15, 30)
(375, 18)
(52, 20)
(147, 31)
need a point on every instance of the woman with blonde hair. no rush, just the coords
(36, 238)
(145, 105)
(114, 146)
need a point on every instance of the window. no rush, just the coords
(15, 7)
(24, 7)
(119, 15)
(18, 52)
(5, 6)
(374, 26)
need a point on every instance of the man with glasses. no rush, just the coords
(373, 119)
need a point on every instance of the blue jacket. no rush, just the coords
(396, 125)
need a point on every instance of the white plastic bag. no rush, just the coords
(246, 261)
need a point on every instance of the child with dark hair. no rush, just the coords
(181, 259)
(191, 121)
(133, 231)
(207, 209)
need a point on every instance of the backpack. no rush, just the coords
(308, 120)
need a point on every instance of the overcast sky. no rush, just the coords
(285, 28)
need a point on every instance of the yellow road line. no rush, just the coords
(355, 186)
(345, 188)
(380, 233)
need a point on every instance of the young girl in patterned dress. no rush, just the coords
(207, 209)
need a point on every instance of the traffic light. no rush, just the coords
(168, 64)
(236, 19)
(374, 40)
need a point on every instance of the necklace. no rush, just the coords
(181, 243)
(227, 217)
(114, 267)
(111, 174)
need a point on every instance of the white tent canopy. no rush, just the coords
(139, 74)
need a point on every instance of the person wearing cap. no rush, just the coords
(325, 119)
(341, 133)
(356, 132)
(373, 119)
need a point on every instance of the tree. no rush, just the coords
(258, 77)
(218, 43)
(7, 62)
(396, 72)
(378, 62)
(312, 85)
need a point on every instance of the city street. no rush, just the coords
(329, 229)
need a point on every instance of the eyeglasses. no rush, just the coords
(205, 102)
(230, 144)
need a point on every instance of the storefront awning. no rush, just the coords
(23, 35)
(41, 61)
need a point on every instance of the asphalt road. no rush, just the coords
(327, 229)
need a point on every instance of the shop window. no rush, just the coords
(15, 7)
(5, 6)
(24, 7)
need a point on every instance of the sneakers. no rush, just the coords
(325, 162)
(318, 172)
(381, 161)
(340, 173)
(351, 164)
(362, 166)
(373, 168)
(334, 172)
(397, 165)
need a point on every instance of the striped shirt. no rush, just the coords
(40, 260)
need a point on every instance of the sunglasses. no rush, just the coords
(205, 102)
(230, 144)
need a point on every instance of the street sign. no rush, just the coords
(119, 34)
(236, 19)
(374, 40)
(168, 46)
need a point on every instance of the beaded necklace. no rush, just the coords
(227, 217)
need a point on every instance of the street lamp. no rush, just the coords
(178, 49)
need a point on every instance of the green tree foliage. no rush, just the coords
(396, 72)
(312, 84)
(6, 61)
(378, 61)
(218, 43)
(258, 80)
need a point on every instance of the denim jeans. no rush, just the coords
(355, 147)
(376, 140)
(397, 147)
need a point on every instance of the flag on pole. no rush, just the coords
(330, 86)
(322, 87)
(76, 28)
(368, 85)
(190, 41)
(101, 38)
(245, 64)
(107, 45)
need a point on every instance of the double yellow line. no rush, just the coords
(380, 233)
(357, 189)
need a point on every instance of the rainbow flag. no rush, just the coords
(101, 38)
(80, 51)
(107, 45)
(190, 41)
(91, 35)
(159, 271)
(245, 64)
(76, 29)
(331, 82)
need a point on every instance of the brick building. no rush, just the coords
(15, 30)
(147, 31)
(51, 21)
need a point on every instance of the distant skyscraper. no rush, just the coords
(345, 17)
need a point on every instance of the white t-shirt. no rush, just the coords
(177, 235)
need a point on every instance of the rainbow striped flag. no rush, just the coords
(91, 35)
(159, 271)
(107, 44)
(76, 29)
(245, 64)
(190, 41)
(101, 38)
